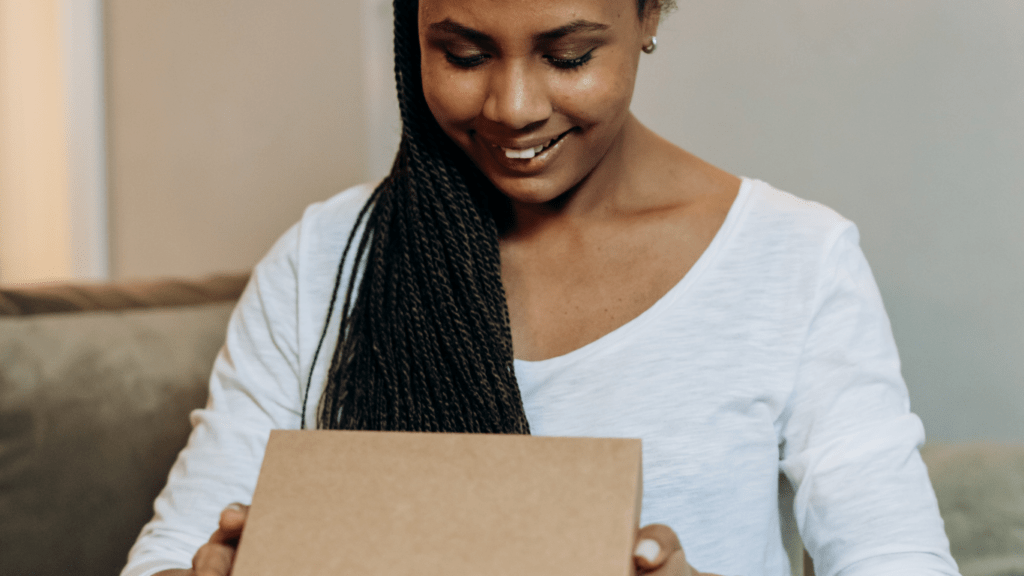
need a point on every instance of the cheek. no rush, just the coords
(599, 96)
(453, 99)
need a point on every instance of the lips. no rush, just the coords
(528, 152)
(525, 153)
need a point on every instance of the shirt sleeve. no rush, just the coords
(850, 445)
(255, 387)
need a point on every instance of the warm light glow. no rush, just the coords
(35, 242)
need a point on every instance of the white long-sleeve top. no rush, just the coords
(773, 353)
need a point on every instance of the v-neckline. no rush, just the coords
(706, 258)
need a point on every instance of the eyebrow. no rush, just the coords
(450, 26)
(571, 28)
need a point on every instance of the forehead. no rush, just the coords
(511, 16)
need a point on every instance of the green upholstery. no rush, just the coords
(94, 407)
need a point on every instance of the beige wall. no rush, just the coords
(35, 242)
(908, 118)
(225, 119)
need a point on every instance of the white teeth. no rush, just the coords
(523, 154)
(526, 153)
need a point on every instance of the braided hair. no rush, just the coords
(424, 342)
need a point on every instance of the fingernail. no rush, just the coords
(237, 506)
(647, 549)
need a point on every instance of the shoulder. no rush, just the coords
(305, 256)
(779, 221)
(323, 228)
(336, 215)
(769, 206)
(776, 246)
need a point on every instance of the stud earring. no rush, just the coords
(650, 48)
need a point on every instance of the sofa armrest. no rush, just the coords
(61, 297)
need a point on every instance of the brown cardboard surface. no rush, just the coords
(406, 504)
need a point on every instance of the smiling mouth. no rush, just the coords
(527, 153)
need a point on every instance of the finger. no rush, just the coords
(655, 543)
(675, 564)
(213, 560)
(232, 521)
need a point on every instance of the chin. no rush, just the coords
(547, 182)
(530, 190)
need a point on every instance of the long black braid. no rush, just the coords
(424, 343)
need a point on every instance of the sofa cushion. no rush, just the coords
(980, 489)
(93, 410)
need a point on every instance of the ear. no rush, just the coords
(651, 19)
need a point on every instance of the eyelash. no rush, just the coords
(572, 63)
(562, 63)
(470, 62)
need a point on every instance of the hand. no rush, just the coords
(216, 557)
(658, 553)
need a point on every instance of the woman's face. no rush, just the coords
(536, 92)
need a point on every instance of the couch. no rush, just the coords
(96, 383)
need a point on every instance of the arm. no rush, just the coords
(863, 500)
(255, 386)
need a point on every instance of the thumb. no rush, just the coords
(654, 544)
(232, 520)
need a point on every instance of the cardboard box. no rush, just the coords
(406, 504)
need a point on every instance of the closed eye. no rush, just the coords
(466, 61)
(478, 59)
(570, 63)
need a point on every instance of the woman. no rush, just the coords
(640, 291)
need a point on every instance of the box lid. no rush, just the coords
(412, 504)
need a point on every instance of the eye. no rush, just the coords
(570, 63)
(465, 61)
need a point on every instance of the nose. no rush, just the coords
(517, 96)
